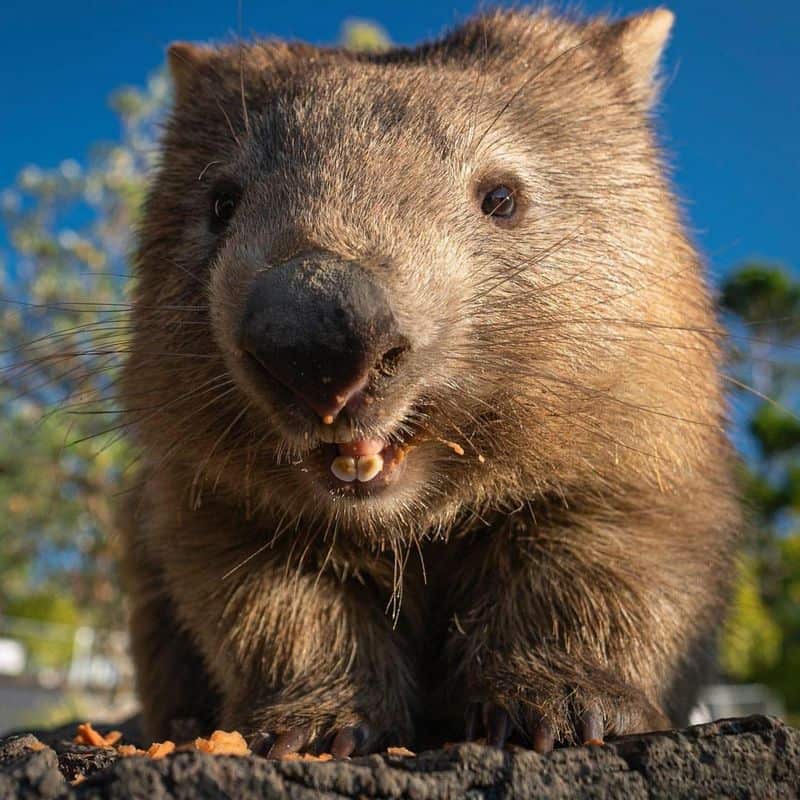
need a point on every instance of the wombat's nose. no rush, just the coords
(320, 326)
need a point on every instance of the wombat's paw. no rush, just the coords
(341, 742)
(495, 721)
(575, 721)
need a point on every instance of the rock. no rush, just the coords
(28, 769)
(753, 757)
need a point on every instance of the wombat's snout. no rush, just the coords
(323, 328)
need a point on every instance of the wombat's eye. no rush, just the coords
(224, 200)
(499, 202)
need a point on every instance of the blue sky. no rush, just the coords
(731, 113)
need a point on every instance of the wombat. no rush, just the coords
(425, 377)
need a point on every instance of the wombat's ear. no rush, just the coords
(642, 40)
(185, 60)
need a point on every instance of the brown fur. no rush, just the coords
(581, 561)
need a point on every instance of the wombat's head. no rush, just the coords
(382, 289)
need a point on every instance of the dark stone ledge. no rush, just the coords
(752, 757)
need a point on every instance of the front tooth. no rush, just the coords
(369, 467)
(344, 468)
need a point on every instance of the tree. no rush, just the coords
(762, 639)
(63, 323)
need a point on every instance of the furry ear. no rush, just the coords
(642, 40)
(185, 60)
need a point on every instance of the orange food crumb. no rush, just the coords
(399, 751)
(454, 446)
(222, 743)
(595, 742)
(203, 745)
(160, 749)
(306, 757)
(230, 743)
(127, 750)
(86, 734)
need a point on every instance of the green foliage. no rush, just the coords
(63, 328)
(761, 641)
(751, 640)
(50, 644)
(784, 674)
(775, 429)
(764, 295)
(761, 497)
(364, 37)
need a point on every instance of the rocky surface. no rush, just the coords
(753, 757)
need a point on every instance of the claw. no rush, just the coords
(542, 739)
(261, 743)
(344, 743)
(471, 721)
(289, 742)
(498, 726)
(348, 740)
(590, 726)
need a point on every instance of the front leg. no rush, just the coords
(573, 629)
(304, 658)
(318, 666)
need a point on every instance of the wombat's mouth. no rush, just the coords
(365, 464)
(352, 459)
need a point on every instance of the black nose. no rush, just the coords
(319, 326)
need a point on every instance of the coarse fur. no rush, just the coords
(576, 557)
